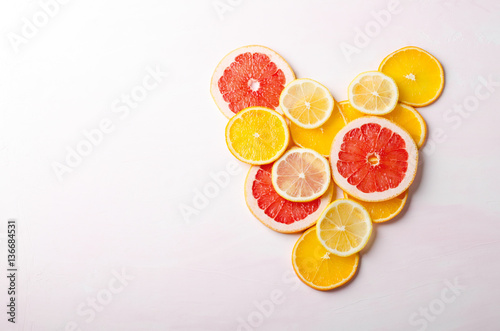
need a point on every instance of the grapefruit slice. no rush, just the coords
(276, 212)
(317, 267)
(373, 159)
(250, 76)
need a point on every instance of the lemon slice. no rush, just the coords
(373, 93)
(317, 267)
(344, 227)
(419, 75)
(307, 103)
(257, 135)
(301, 175)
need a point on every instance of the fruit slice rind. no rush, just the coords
(323, 90)
(331, 214)
(388, 101)
(228, 59)
(260, 214)
(346, 265)
(248, 112)
(320, 162)
(390, 193)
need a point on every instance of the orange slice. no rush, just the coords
(418, 74)
(317, 267)
(383, 211)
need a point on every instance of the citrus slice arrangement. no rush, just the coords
(331, 169)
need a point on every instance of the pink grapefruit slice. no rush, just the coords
(373, 159)
(276, 212)
(250, 76)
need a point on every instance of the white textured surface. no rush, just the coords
(120, 207)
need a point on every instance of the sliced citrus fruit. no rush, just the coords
(257, 135)
(301, 174)
(307, 103)
(317, 267)
(344, 227)
(419, 75)
(405, 116)
(319, 139)
(249, 76)
(373, 159)
(276, 212)
(383, 211)
(373, 93)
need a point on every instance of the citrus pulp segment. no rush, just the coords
(257, 135)
(301, 174)
(317, 267)
(249, 76)
(419, 75)
(274, 211)
(373, 159)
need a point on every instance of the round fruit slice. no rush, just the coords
(249, 76)
(301, 174)
(317, 267)
(257, 135)
(276, 212)
(373, 93)
(405, 116)
(306, 103)
(419, 75)
(319, 139)
(383, 211)
(344, 227)
(373, 159)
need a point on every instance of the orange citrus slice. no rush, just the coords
(405, 116)
(301, 175)
(344, 227)
(419, 75)
(306, 103)
(373, 93)
(257, 135)
(319, 139)
(383, 211)
(317, 267)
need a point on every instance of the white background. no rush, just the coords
(119, 209)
